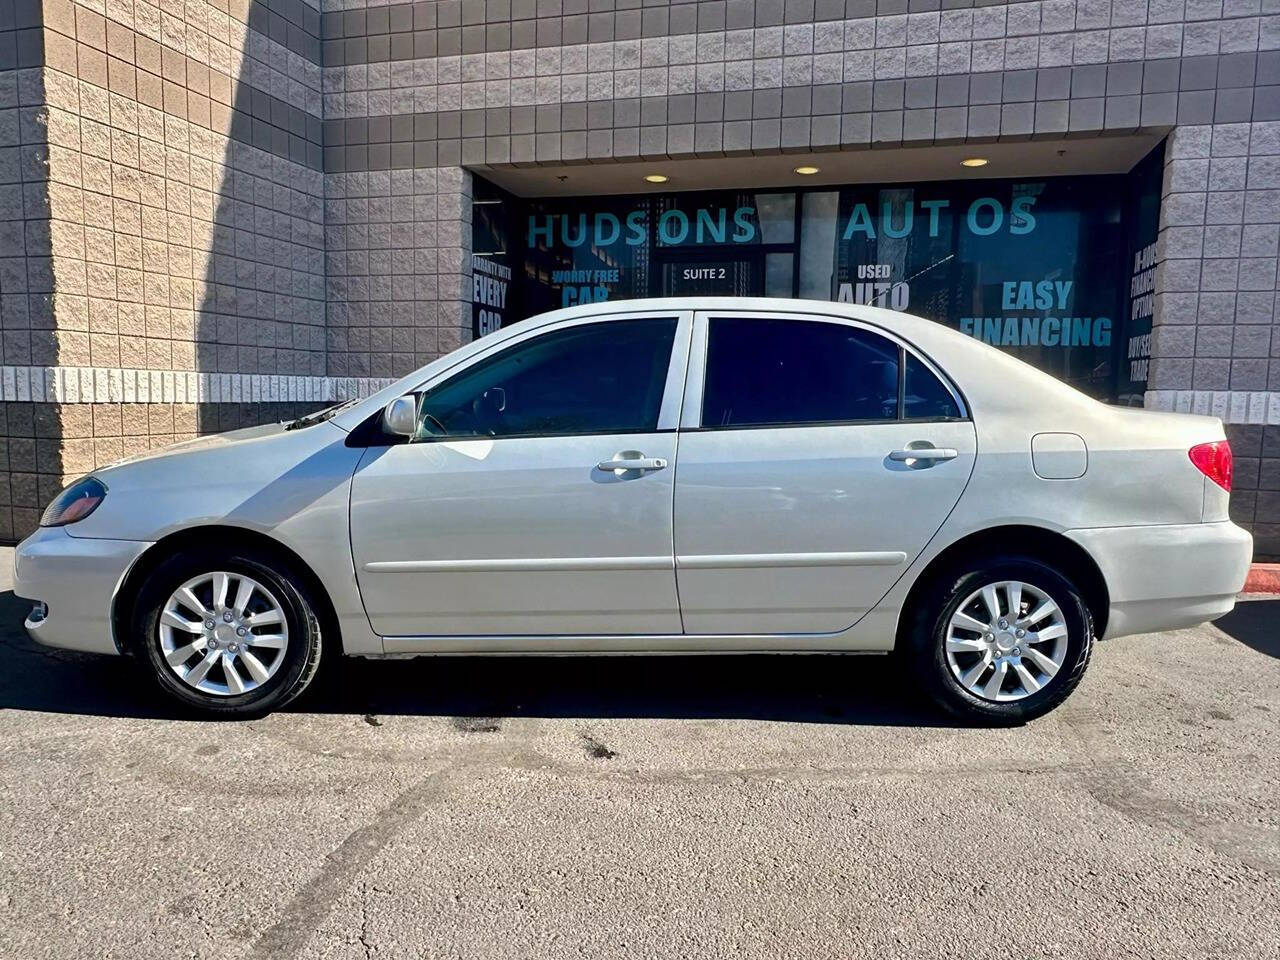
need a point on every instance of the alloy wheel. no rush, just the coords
(223, 633)
(1006, 641)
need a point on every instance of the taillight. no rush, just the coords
(1214, 461)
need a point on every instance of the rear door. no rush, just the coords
(818, 456)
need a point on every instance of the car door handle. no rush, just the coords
(932, 454)
(622, 463)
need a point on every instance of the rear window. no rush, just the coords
(790, 372)
(924, 396)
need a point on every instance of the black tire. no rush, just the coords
(926, 635)
(300, 658)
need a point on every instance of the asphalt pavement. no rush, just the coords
(743, 807)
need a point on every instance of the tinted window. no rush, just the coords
(924, 396)
(796, 371)
(595, 378)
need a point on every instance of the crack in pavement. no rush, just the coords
(308, 908)
(364, 920)
(312, 903)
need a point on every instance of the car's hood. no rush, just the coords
(202, 443)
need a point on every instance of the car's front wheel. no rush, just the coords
(1002, 640)
(228, 632)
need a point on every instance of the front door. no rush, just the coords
(799, 501)
(536, 498)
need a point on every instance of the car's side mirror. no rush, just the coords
(400, 416)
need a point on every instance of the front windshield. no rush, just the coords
(320, 415)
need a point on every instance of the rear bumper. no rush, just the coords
(1168, 577)
(76, 578)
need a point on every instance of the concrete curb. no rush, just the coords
(1263, 578)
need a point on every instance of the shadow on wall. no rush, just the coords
(133, 237)
(259, 326)
(29, 451)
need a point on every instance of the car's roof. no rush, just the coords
(910, 327)
(710, 303)
(877, 315)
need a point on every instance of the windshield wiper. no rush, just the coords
(320, 415)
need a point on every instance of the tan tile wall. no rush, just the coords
(165, 229)
(398, 250)
(167, 234)
(160, 209)
(25, 267)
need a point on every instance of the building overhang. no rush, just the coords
(1023, 158)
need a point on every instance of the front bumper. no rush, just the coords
(77, 579)
(1167, 577)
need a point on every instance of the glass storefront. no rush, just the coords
(1047, 268)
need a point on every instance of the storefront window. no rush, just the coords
(817, 242)
(777, 217)
(734, 243)
(1028, 266)
(493, 259)
(1037, 267)
(1143, 217)
(779, 272)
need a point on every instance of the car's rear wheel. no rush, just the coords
(1003, 639)
(232, 633)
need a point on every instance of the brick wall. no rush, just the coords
(398, 246)
(175, 223)
(26, 284)
(1255, 496)
(1213, 344)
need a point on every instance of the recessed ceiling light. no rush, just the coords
(975, 162)
(656, 177)
(806, 171)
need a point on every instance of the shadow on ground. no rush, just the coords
(1256, 624)
(804, 689)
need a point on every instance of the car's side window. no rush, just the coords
(591, 378)
(924, 396)
(764, 371)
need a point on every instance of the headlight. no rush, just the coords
(74, 503)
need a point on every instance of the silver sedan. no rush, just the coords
(659, 477)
